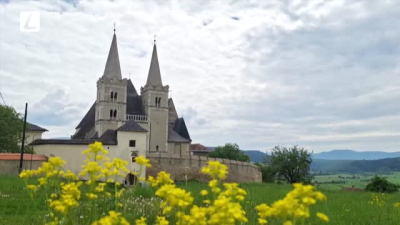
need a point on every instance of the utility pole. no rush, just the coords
(23, 140)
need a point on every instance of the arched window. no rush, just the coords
(115, 96)
(157, 148)
(115, 114)
(159, 102)
(111, 113)
(112, 95)
(156, 101)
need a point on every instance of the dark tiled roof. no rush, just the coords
(108, 138)
(33, 127)
(175, 137)
(134, 105)
(89, 118)
(131, 125)
(181, 129)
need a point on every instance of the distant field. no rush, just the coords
(360, 180)
(342, 207)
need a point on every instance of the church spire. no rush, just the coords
(113, 69)
(154, 77)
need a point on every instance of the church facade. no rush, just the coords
(126, 122)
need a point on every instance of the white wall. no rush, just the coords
(74, 158)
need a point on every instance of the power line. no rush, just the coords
(2, 98)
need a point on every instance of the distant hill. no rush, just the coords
(355, 166)
(355, 155)
(255, 155)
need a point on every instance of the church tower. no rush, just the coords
(111, 94)
(155, 101)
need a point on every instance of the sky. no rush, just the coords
(319, 74)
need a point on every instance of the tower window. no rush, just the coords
(111, 113)
(112, 95)
(157, 148)
(158, 101)
(115, 96)
(115, 114)
(132, 143)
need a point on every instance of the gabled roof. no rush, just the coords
(33, 127)
(175, 137)
(181, 129)
(154, 77)
(113, 68)
(131, 125)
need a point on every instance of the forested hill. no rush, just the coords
(355, 155)
(355, 166)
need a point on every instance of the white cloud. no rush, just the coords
(322, 74)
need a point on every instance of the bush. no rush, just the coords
(380, 184)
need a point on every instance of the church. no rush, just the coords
(126, 122)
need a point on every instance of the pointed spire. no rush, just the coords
(154, 77)
(113, 69)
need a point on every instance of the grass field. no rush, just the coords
(342, 207)
(360, 181)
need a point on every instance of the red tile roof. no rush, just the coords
(17, 156)
(199, 147)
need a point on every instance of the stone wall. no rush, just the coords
(191, 165)
(11, 167)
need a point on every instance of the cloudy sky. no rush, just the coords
(320, 74)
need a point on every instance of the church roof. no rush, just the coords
(134, 104)
(181, 129)
(33, 127)
(131, 125)
(154, 77)
(113, 68)
(175, 137)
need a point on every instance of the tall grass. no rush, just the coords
(341, 207)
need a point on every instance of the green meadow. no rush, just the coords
(328, 182)
(342, 207)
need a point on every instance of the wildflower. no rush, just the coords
(174, 197)
(31, 187)
(69, 175)
(114, 218)
(397, 204)
(141, 160)
(204, 192)
(161, 220)
(215, 170)
(70, 194)
(163, 178)
(322, 217)
(141, 221)
(295, 205)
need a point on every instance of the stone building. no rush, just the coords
(128, 123)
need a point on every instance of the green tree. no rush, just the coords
(293, 164)
(11, 127)
(229, 151)
(380, 184)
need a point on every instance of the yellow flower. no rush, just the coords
(69, 175)
(141, 160)
(32, 187)
(174, 197)
(215, 170)
(161, 220)
(141, 221)
(114, 218)
(397, 204)
(163, 178)
(322, 217)
(204, 192)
